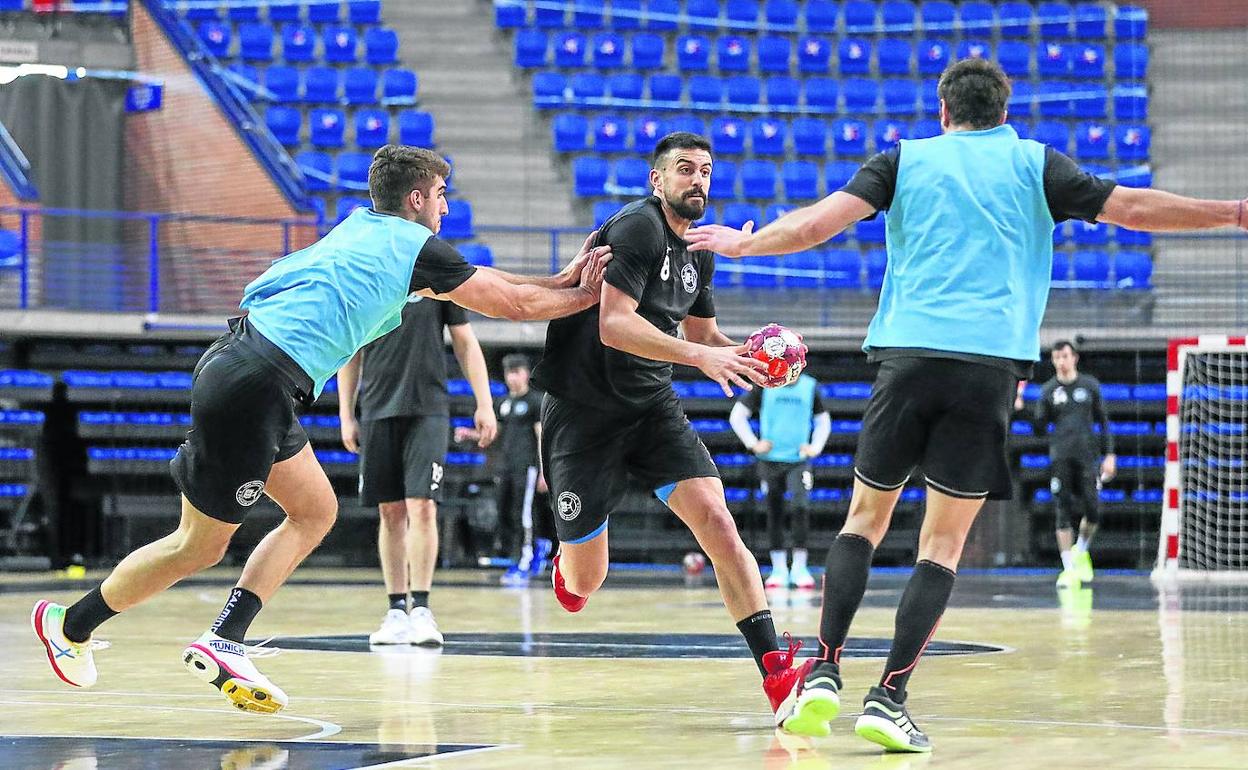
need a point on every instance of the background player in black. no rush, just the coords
(1071, 401)
(401, 435)
(611, 419)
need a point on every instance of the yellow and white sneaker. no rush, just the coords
(224, 664)
(72, 662)
(1083, 565)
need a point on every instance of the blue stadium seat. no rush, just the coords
(742, 14)
(647, 130)
(1133, 270)
(320, 85)
(326, 128)
(810, 136)
(842, 269)
(821, 94)
(737, 214)
(317, 168)
(925, 129)
(849, 137)
(588, 14)
(608, 51)
(743, 91)
(626, 14)
(703, 14)
(861, 94)
(783, 93)
(1089, 61)
(732, 54)
(901, 96)
(758, 180)
(626, 85)
(728, 135)
(610, 134)
(837, 174)
(813, 56)
(255, 42)
(647, 51)
(859, 16)
(1054, 20)
(1135, 176)
(280, 12)
(285, 123)
(693, 53)
(1014, 19)
(1015, 58)
(1089, 233)
(929, 96)
(801, 180)
(457, 224)
(398, 87)
(372, 128)
(244, 77)
(1053, 133)
(531, 45)
(1090, 20)
(774, 54)
(216, 38)
(1130, 102)
(1061, 266)
(298, 43)
(416, 128)
(870, 230)
(706, 92)
(821, 16)
(589, 176)
(661, 15)
(1092, 267)
(877, 265)
(340, 43)
(282, 83)
(476, 253)
(666, 88)
(888, 133)
(1131, 23)
(365, 12)
(807, 261)
(970, 48)
(588, 86)
(768, 136)
(1089, 101)
(894, 56)
(934, 56)
(1092, 141)
(781, 15)
(1132, 142)
(1130, 61)
(976, 18)
(359, 85)
(353, 171)
(724, 180)
(1126, 237)
(855, 56)
(324, 12)
(570, 49)
(633, 174)
(1061, 234)
(548, 90)
(570, 132)
(604, 210)
(1053, 59)
(550, 15)
(758, 272)
(1054, 99)
(242, 13)
(192, 14)
(898, 17)
(708, 217)
(1021, 127)
(937, 16)
(689, 123)
(381, 46)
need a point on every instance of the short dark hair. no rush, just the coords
(513, 361)
(1065, 344)
(678, 140)
(397, 169)
(976, 92)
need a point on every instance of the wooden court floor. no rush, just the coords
(1113, 677)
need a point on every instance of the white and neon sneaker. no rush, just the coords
(72, 662)
(423, 628)
(779, 578)
(395, 629)
(224, 664)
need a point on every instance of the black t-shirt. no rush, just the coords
(650, 264)
(1073, 408)
(517, 440)
(1071, 193)
(403, 373)
(439, 267)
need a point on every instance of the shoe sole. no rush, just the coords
(36, 625)
(387, 642)
(244, 694)
(884, 733)
(431, 643)
(814, 711)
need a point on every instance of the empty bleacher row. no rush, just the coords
(20, 432)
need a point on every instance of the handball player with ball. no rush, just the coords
(610, 417)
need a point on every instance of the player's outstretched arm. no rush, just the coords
(566, 278)
(1160, 211)
(797, 230)
(488, 294)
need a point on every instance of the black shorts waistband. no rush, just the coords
(249, 338)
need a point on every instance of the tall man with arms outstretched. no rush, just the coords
(307, 315)
(610, 413)
(970, 224)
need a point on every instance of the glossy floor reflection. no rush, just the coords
(1108, 677)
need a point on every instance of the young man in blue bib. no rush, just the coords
(307, 315)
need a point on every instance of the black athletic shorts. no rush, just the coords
(1076, 486)
(245, 397)
(401, 457)
(948, 417)
(593, 459)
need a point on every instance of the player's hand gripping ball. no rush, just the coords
(782, 350)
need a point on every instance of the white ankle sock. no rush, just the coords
(1082, 544)
(780, 560)
(799, 559)
(1067, 560)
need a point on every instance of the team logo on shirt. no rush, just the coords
(1059, 397)
(1081, 395)
(568, 506)
(689, 277)
(522, 408)
(249, 493)
(504, 408)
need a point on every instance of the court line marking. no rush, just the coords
(326, 729)
(437, 757)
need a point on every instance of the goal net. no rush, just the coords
(1204, 532)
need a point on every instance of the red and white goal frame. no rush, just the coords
(1170, 544)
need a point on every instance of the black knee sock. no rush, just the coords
(760, 634)
(844, 583)
(918, 614)
(85, 615)
(397, 601)
(240, 609)
(420, 599)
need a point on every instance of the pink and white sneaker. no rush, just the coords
(224, 664)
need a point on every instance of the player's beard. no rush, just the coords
(685, 209)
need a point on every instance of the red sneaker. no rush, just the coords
(570, 601)
(782, 677)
